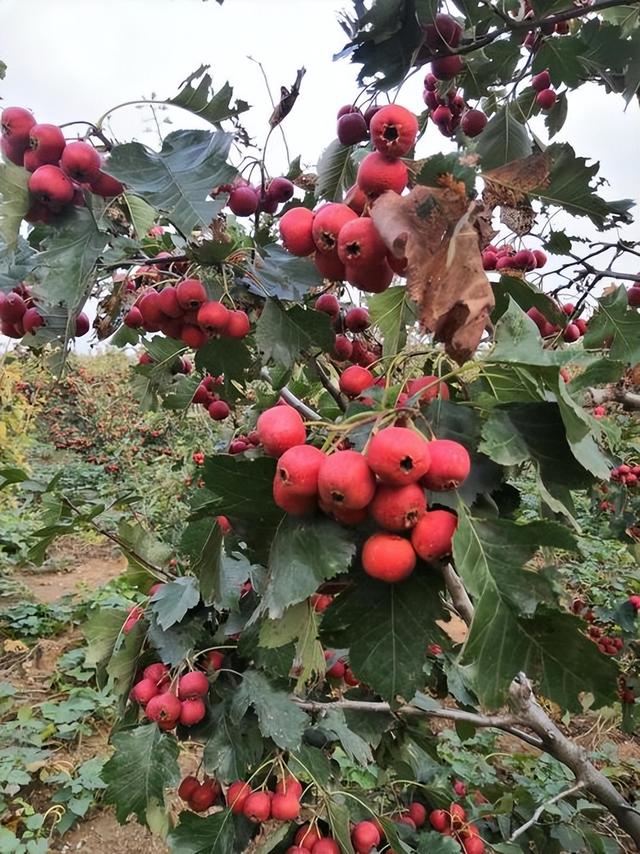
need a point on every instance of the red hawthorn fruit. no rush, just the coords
(354, 380)
(257, 806)
(168, 302)
(212, 316)
(342, 348)
(194, 684)
(432, 535)
(296, 849)
(214, 659)
(193, 336)
(450, 465)
(357, 319)
(388, 557)
(289, 785)
(243, 200)
(280, 189)
(156, 672)
(372, 279)
(307, 836)
(633, 296)
(329, 266)
(360, 244)
(546, 99)
(349, 678)
(393, 130)
(328, 304)
(377, 174)
(345, 481)
(47, 143)
(51, 186)
(321, 602)
(346, 516)
(106, 186)
(458, 814)
(143, 691)
(135, 614)
(356, 199)
(187, 787)
(352, 129)
(459, 788)
(433, 388)
(418, 813)
(285, 807)
(280, 428)
(81, 162)
(337, 669)
(634, 601)
(327, 223)
(294, 505)
(15, 151)
(191, 294)
(444, 32)
(398, 508)
(236, 796)
(346, 109)
(405, 819)
(219, 410)
(473, 845)
(541, 258)
(541, 81)
(298, 470)
(439, 820)
(32, 320)
(326, 846)
(571, 333)
(398, 456)
(582, 325)
(192, 712)
(365, 836)
(473, 122)
(164, 708)
(296, 231)
(446, 67)
(16, 123)
(12, 307)
(203, 797)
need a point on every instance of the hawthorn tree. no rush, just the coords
(385, 344)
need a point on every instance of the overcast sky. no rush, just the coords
(74, 59)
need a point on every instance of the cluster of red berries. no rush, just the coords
(205, 396)
(571, 332)
(387, 483)
(627, 475)
(246, 199)
(338, 669)
(443, 35)
(19, 315)
(546, 96)
(244, 442)
(356, 379)
(186, 314)
(356, 320)
(260, 805)
(153, 692)
(453, 822)
(199, 796)
(505, 257)
(61, 171)
(353, 124)
(449, 111)
(534, 38)
(607, 644)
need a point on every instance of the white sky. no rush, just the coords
(74, 59)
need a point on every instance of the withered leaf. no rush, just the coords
(509, 184)
(520, 220)
(434, 229)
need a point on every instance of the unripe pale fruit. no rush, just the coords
(168, 302)
(352, 129)
(51, 186)
(194, 684)
(398, 508)
(257, 806)
(328, 304)
(280, 428)
(357, 319)
(81, 162)
(473, 122)
(398, 456)
(327, 223)
(388, 557)
(326, 846)
(444, 32)
(329, 266)
(143, 691)
(243, 201)
(345, 481)
(431, 537)
(106, 186)
(354, 380)
(164, 708)
(187, 787)
(377, 174)
(307, 836)
(191, 294)
(372, 279)
(218, 410)
(280, 189)
(433, 388)
(212, 316)
(298, 470)
(156, 672)
(365, 836)
(393, 130)
(236, 797)
(541, 81)
(238, 324)
(192, 712)
(418, 813)
(447, 67)
(450, 465)
(546, 99)
(359, 243)
(296, 231)
(48, 142)
(285, 807)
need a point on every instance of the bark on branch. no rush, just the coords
(612, 394)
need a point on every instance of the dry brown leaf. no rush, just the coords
(520, 220)
(433, 228)
(509, 184)
(14, 646)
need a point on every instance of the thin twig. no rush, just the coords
(329, 386)
(459, 596)
(534, 818)
(292, 400)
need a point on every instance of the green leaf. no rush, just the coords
(144, 764)
(386, 628)
(516, 625)
(612, 320)
(142, 215)
(14, 204)
(493, 65)
(232, 751)
(172, 600)
(174, 644)
(68, 261)
(279, 717)
(124, 662)
(517, 341)
(282, 275)
(557, 243)
(503, 140)
(304, 553)
(285, 335)
(227, 356)
(242, 488)
(139, 543)
(101, 631)
(197, 835)
(557, 116)
(527, 296)
(311, 764)
(178, 179)
(202, 541)
(561, 57)
(336, 172)
(356, 748)
(391, 311)
(213, 107)
(339, 821)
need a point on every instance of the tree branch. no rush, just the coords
(292, 400)
(459, 596)
(329, 386)
(612, 394)
(534, 818)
